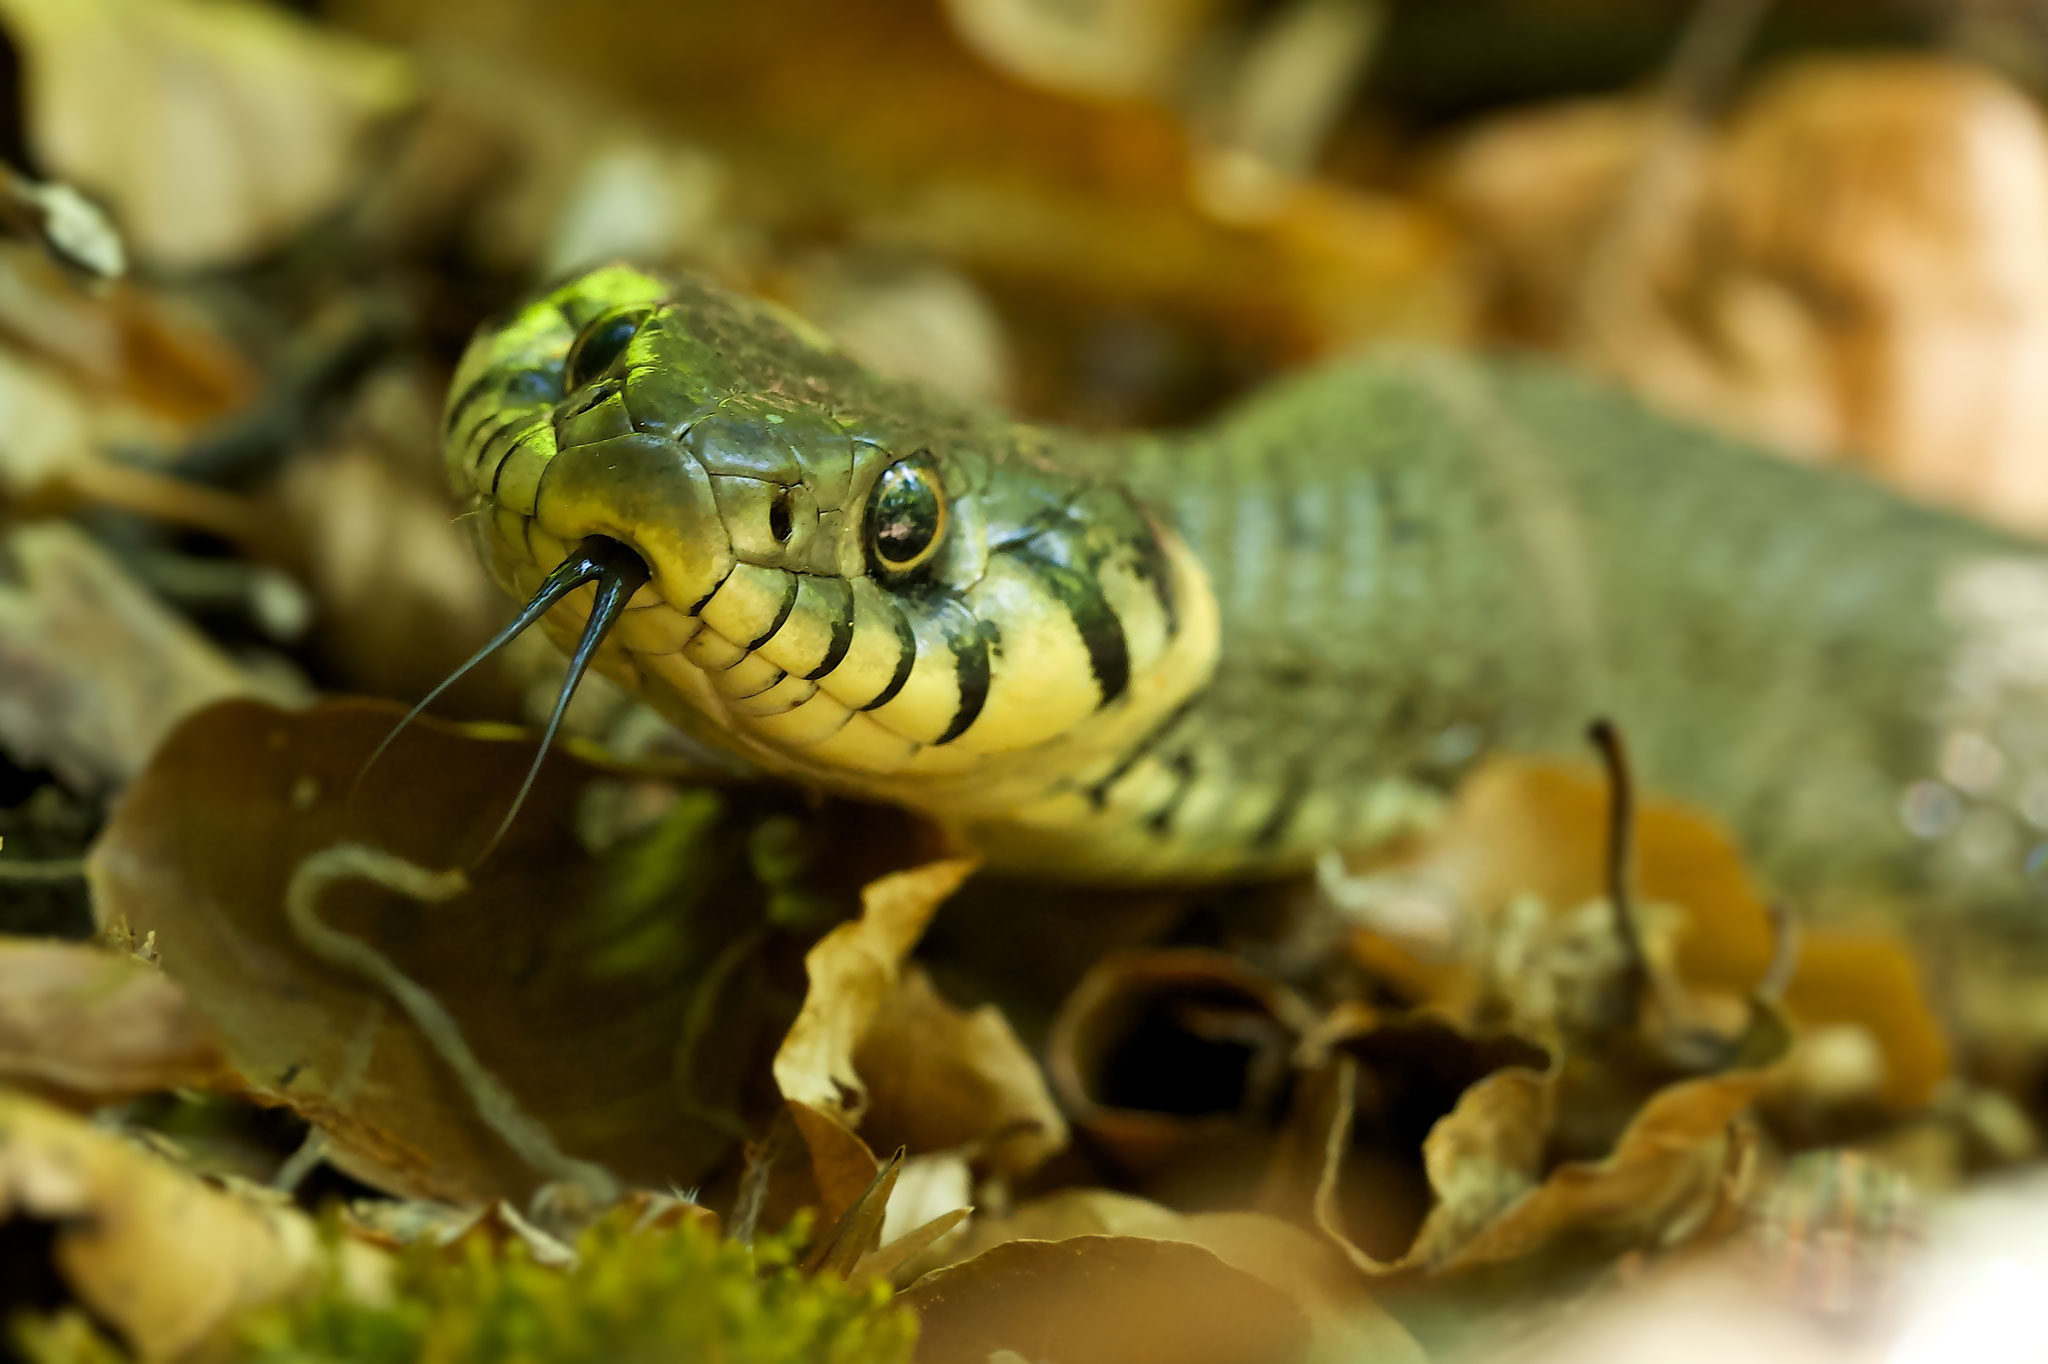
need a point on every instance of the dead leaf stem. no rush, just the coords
(495, 1104)
(1639, 974)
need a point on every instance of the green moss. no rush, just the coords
(652, 1298)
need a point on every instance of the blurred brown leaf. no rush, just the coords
(1076, 209)
(213, 130)
(1526, 828)
(149, 1249)
(625, 1003)
(1123, 49)
(94, 669)
(1346, 1321)
(941, 1078)
(91, 1026)
(1103, 1298)
(1847, 270)
(402, 598)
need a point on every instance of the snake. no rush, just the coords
(1218, 654)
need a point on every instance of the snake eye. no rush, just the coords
(600, 342)
(906, 514)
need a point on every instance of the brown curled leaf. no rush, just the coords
(91, 1026)
(627, 1002)
(1396, 1123)
(852, 972)
(1159, 1053)
(943, 1078)
(1496, 1188)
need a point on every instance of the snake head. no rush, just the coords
(849, 578)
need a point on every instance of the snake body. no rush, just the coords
(1214, 655)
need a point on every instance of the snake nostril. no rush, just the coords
(779, 522)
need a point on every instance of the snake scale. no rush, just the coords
(1212, 655)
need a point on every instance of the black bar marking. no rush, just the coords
(1098, 794)
(781, 614)
(498, 473)
(906, 644)
(1160, 822)
(1294, 791)
(970, 643)
(705, 600)
(779, 677)
(524, 387)
(1102, 634)
(839, 610)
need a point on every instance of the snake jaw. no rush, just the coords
(1051, 624)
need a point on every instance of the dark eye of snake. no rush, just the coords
(600, 342)
(906, 514)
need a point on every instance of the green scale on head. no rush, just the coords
(852, 582)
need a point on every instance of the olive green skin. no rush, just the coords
(1216, 655)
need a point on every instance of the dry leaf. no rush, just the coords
(1496, 1190)
(888, 1261)
(842, 1166)
(941, 1078)
(622, 1006)
(1666, 1175)
(403, 600)
(214, 130)
(1527, 828)
(149, 1249)
(1160, 1054)
(857, 1232)
(1103, 1298)
(129, 345)
(94, 669)
(1347, 1323)
(852, 972)
(92, 1026)
(1411, 1127)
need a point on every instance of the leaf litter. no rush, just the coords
(683, 1026)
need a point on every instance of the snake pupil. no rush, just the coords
(600, 342)
(905, 514)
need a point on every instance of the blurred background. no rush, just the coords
(1815, 222)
